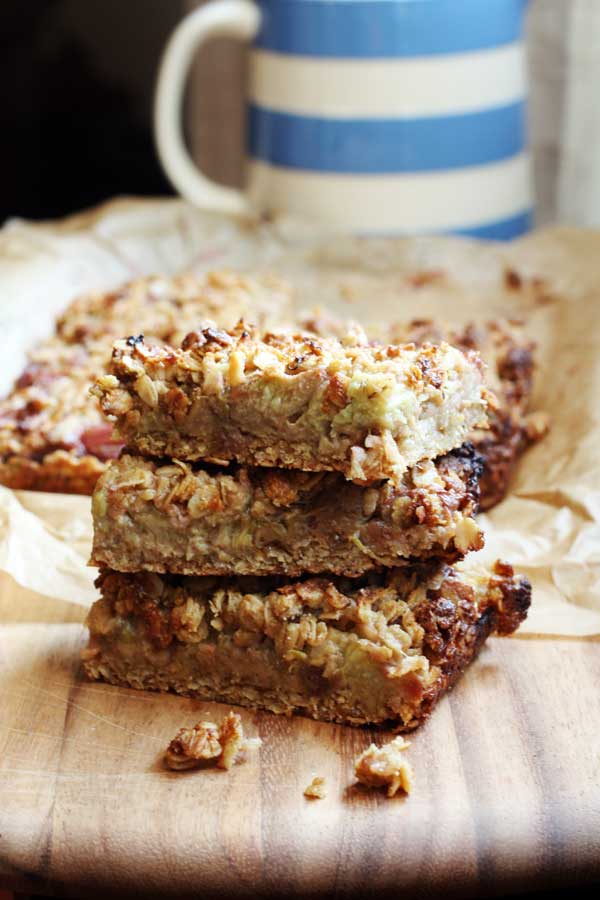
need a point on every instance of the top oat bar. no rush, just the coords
(293, 401)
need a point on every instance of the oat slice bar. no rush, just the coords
(293, 401)
(201, 520)
(378, 650)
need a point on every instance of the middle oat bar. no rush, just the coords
(172, 517)
(314, 404)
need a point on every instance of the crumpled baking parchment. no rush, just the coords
(549, 525)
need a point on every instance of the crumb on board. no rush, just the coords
(316, 789)
(537, 425)
(425, 277)
(385, 767)
(225, 744)
(512, 280)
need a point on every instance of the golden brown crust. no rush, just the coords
(173, 517)
(294, 401)
(379, 649)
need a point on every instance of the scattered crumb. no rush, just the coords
(425, 277)
(231, 736)
(316, 789)
(385, 767)
(537, 424)
(226, 744)
(193, 746)
(542, 293)
(512, 280)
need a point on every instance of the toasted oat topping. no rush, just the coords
(203, 353)
(314, 618)
(167, 308)
(385, 767)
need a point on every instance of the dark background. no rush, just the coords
(76, 85)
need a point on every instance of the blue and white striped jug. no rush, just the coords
(385, 116)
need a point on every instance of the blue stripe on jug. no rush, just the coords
(499, 230)
(387, 28)
(378, 146)
(504, 229)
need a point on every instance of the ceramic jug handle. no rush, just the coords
(231, 18)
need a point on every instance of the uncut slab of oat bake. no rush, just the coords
(199, 520)
(53, 436)
(378, 650)
(294, 401)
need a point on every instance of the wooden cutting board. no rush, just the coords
(507, 792)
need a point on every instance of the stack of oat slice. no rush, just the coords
(283, 528)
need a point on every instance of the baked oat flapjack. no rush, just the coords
(199, 520)
(294, 401)
(382, 649)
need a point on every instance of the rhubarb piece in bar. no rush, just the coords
(294, 401)
(172, 517)
(381, 649)
(53, 436)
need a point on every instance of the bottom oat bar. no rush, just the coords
(382, 649)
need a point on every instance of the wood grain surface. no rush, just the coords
(507, 793)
